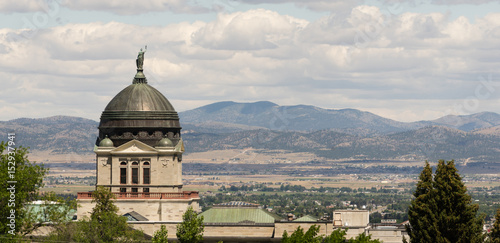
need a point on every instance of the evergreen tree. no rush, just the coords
(442, 211)
(422, 208)
(494, 236)
(191, 228)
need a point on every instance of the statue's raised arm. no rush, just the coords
(140, 58)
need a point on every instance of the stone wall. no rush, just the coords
(170, 210)
(388, 235)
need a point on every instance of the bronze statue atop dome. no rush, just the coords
(140, 58)
(139, 76)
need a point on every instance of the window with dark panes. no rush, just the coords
(146, 173)
(123, 172)
(123, 175)
(135, 173)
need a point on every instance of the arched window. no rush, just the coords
(135, 172)
(146, 173)
(123, 172)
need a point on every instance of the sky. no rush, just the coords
(406, 60)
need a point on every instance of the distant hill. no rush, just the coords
(428, 143)
(336, 134)
(268, 115)
(232, 116)
(59, 134)
(470, 122)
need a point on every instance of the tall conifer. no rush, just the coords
(421, 211)
(442, 211)
(495, 232)
(456, 213)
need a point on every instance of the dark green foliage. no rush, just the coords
(363, 238)
(337, 236)
(58, 211)
(298, 236)
(442, 211)
(191, 228)
(105, 225)
(456, 213)
(421, 211)
(161, 236)
(494, 236)
(29, 179)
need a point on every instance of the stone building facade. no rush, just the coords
(139, 155)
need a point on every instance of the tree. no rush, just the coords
(494, 236)
(421, 210)
(442, 211)
(337, 236)
(22, 179)
(58, 211)
(298, 236)
(105, 225)
(191, 228)
(363, 238)
(161, 236)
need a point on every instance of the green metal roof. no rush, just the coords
(238, 215)
(307, 218)
(39, 209)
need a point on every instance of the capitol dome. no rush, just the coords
(139, 112)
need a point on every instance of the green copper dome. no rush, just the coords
(165, 142)
(106, 142)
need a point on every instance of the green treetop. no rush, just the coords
(442, 211)
(105, 225)
(421, 213)
(191, 228)
(23, 179)
(494, 236)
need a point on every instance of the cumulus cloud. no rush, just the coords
(409, 66)
(131, 7)
(315, 5)
(444, 2)
(251, 30)
(26, 5)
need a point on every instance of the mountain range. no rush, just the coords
(267, 115)
(328, 133)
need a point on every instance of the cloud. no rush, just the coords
(131, 7)
(442, 2)
(25, 5)
(120, 7)
(251, 30)
(409, 66)
(315, 5)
